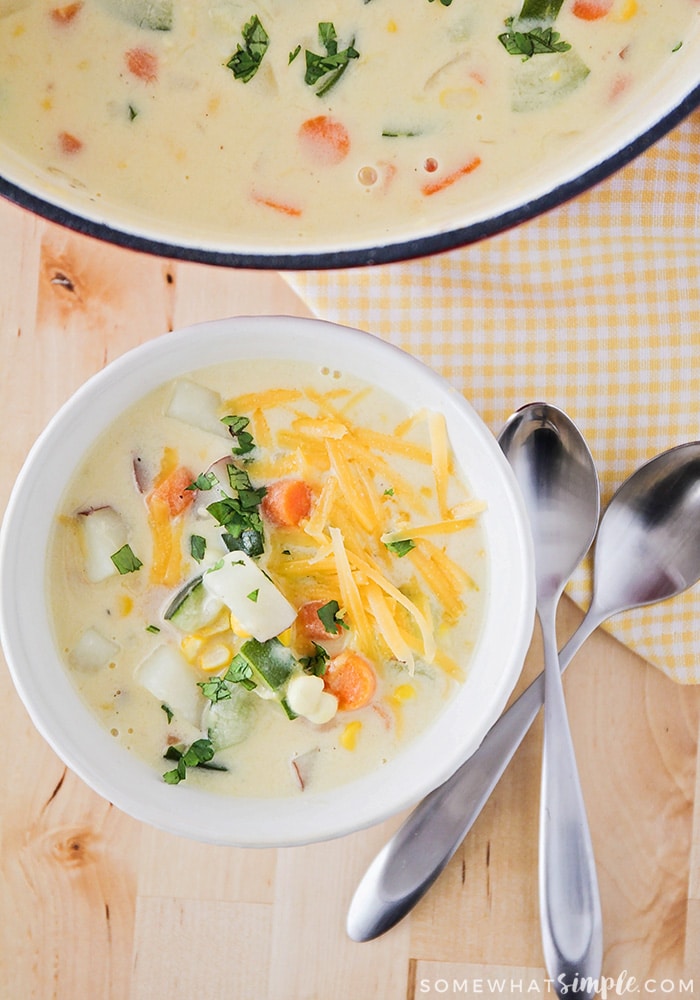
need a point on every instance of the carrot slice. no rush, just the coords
(591, 10)
(64, 15)
(287, 502)
(325, 139)
(351, 678)
(309, 623)
(434, 186)
(279, 206)
(173, 491)
(69, 143)
(143, 64)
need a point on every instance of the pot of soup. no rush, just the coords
(251, 596)
(252, 133)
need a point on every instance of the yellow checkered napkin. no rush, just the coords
(594, 307)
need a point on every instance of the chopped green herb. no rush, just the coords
(389, 492)
(239, 515)
(216, 689)
(530, 43)
(402, 547)
(125, 560)
(197, 755)
(317, 663)
(133, 113)
(237, 429)
(198, 546)
(240, 672)
(246, 60)
(253, 595)
(445, 3)
(168, 711)
(205, 481)
(152, 628)
(294, 53)
(328, 613)
(327, 69)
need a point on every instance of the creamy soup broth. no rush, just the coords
(133, 105)
(392, 477)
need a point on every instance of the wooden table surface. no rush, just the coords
(96, 905)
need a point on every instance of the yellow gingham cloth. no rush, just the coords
(594, 307)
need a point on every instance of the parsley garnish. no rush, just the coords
(168, 711)
(237, 429)
(198, 546)
(216, 689)
(401, 547)
(533, 42)
(327, 69)
(152, 628)
(328, 613)
(317, 663)
(125, 560)
(240, 672)
(239, 515)
(253, 595)
(197, 755)
(205, 481)
(246, 60)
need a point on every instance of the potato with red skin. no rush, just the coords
(309, 630)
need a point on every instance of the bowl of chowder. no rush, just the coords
(265, 581)
(268, 134)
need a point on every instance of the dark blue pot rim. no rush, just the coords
(389, 253)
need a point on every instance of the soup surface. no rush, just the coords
(269, 122)
(273, 575)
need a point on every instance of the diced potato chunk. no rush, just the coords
(169, 677)
(92, 651)
(103, 533)
(198, 406)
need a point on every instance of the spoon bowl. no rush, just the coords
(661, 500)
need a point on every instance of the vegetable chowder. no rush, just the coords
(267, 578)
(274, 122)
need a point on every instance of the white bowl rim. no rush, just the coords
(79, 739)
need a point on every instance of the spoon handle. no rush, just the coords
(412, 859)
(570, 915)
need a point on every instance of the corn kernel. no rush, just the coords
(126, 605)
(348, 737)
(190, 646)
(214, 656)
(392, 27)
(404, 692)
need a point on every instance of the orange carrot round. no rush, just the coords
(64, 15)
(351, 678)
(591, 10)
(325, 139)
(309, 623)
(143, 64)
(69, 143)
(287, 502)
(174, 492)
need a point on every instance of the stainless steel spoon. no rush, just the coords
(559, 483)
(647, 550)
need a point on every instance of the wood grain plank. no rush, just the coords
(227, 945)
(311, 957)
(183, 869)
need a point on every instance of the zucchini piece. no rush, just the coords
(192, 607)
(546, 79)
(154, 15)
(230, 720)
(271, 662)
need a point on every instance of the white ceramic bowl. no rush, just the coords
(79, 739)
